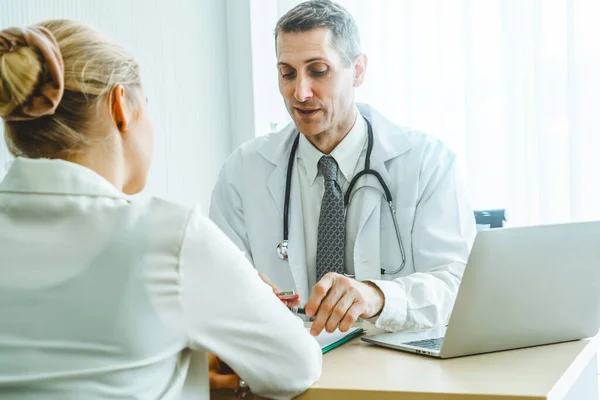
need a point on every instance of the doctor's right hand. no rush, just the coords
(337, 301)
(276, 291)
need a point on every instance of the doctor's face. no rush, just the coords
(318, 90)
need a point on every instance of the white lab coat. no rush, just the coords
(104, 297)
(436, 222)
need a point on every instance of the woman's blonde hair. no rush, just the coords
(93, 66)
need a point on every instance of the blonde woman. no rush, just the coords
(102, 297)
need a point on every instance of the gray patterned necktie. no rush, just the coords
(332, 227)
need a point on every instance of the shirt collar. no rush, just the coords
(346, 153)
(53, 176)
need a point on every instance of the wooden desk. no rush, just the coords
(358, 370)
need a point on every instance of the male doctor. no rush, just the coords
(352, 258)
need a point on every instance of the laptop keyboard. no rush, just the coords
(433, 344)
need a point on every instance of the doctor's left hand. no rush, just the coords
(337, 301)
(276, 291)
(220, 375)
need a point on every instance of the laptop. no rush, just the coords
(522, 287)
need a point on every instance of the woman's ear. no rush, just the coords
(118, 107)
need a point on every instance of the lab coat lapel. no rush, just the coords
(277, 150)
(364, 210)
(369, 193)
(365, 206)
(276, 184)
(297, 249)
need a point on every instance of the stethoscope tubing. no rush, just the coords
(282, 248)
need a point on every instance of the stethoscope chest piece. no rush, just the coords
(282, 250)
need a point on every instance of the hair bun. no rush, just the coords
(31, 73)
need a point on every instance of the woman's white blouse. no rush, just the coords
(102, 297)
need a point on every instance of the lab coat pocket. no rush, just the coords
(391, 256)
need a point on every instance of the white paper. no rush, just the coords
(325, 338)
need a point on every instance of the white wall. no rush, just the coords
(241, 84)
(268, 105)
(256, 106)
(253, 69)
(181, 46)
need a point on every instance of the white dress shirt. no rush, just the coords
(105, 298)
(349, 155)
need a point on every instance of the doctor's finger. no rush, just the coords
(326, 308)
(266, 280)
(221, 381)
(318, 293)
(339, 311)
(351, 316)
(292, 303)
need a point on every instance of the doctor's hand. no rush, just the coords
(220, 375)
(276, 291)
(337, 301)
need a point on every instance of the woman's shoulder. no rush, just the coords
(160, 224)
(167, 217)
(160, 212)
(170, 225)
(166, 207)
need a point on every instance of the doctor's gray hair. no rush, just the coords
(315, 14)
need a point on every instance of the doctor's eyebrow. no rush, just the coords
(283, 64)
(314, 59)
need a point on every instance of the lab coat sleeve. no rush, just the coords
(442, 236)
(230, 312)
(226, 208)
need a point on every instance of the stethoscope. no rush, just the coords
(282, 248)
